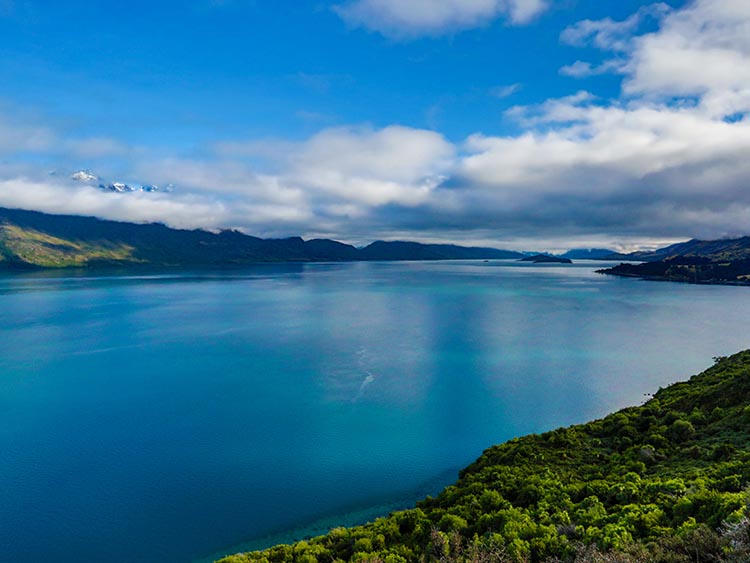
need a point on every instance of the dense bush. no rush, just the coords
(663, 483)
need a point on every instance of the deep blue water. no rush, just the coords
(171, 417)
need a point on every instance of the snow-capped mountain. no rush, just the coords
(84, 176)
(88, 177)
(116, 187)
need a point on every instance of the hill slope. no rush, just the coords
(660, 483)
(714, 250)
(724, 261)
(404, 250)
(30, 239)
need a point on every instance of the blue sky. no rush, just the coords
(293, 117)
(183, 73)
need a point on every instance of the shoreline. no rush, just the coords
(605, 272)
(354, 516)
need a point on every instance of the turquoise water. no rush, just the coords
(169, 417)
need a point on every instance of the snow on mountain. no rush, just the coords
(88, 177)
(84, 176)
(153, 188)
(116, 187)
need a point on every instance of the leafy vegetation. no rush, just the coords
(664, 482)
(686, 269)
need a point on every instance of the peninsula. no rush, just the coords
(724, 261)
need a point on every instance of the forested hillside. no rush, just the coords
(721, 250)
(664, 482)
(29, 239)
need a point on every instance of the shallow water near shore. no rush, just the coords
(174, 416)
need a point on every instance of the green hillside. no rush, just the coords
(686, 269)
(664, 482)
(28, 246)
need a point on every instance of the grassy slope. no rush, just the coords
(674, 468)
(34, 248)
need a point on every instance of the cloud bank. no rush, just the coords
(666, 160)
(399, 19)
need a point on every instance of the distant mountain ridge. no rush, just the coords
(31, 239)
(724, 261)
(715, 250)
(587, 253)
(405, 250)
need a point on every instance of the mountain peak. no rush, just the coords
(84, 176)
(88, 177)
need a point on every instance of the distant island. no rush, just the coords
(546, 259)
(665, 482)
(725, 261)
(30, 239)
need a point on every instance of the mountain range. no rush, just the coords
(89, 178)
(30, 239)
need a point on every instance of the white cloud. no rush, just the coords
(335, 176)
(703, 49)
(57, 197)
(618, 148)
(375, 167)
(669, 157)
(396, 18)
(568, 109)
(610, 34)
(505, 91)
(523, 11)
(583, 69)
(18, 137)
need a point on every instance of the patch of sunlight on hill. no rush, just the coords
(40, 249)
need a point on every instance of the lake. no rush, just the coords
(179, 416)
